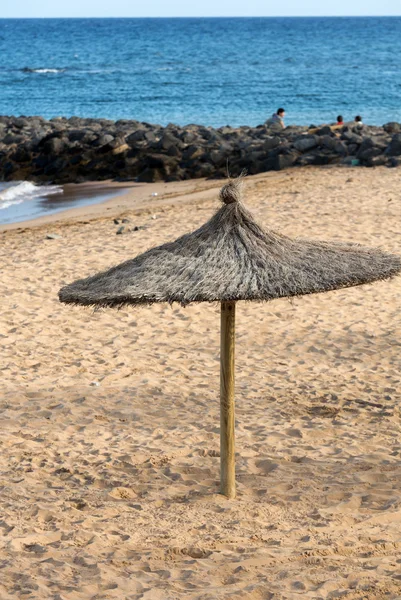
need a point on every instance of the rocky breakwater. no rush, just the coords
(75, 150)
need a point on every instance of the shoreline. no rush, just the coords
(127, 197)
(134, 198)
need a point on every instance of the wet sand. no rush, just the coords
(109, 459)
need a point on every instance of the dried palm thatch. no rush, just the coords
(232, 258)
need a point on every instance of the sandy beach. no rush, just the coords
(109, 461)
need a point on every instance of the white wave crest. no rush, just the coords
(27, 70)
(23, 191)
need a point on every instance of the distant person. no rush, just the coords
(358, 124)
(276, 121)
(340, 120)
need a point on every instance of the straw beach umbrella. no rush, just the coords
(231, 258)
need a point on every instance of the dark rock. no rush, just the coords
(306, 142)
(162, 161)
(21, 123)
(78, 149)
(325, 130)
(107, 138)
(281, 161)
(192, 152)
(188, 137)
(351, 137)
(40, 162)
(76, 160)
(394, 148)
(272, 142)
(55, 166)
(392, 127)
(168, 141)
(219, 156)
(8, 169)
(116, 221)
(53, 146)
(150, 137)
(22, 155)
(150, 175)
(340, 148)
(322, 157)
(368, 150)
(377, 161)
(12, 138)
(203, 169)
(134, 138)
(352, 148)
(120, 230)
(327, 141)
(173, 151)
(76, 135)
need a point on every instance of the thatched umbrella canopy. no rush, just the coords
(232, 258)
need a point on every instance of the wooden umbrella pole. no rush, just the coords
(227, 406)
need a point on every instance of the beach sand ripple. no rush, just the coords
(109, 453)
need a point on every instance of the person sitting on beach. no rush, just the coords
(358, 119)
(276, 121)
(340, 120)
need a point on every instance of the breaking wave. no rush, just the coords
(23, 191)
(28, 70)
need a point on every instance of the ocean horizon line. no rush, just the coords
(204, 17)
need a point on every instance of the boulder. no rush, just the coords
(53, 146)
(306, 142)
(76, 135)
(138, 136)
(173, 151)
(21, 155)
(192, 152)
(281, 161)
(352, 148)
(325, 130)
(13, 138)
(327, 141)
(392, 127)
(351, 137)
(168, 141)
(366, 155)
(21, 122)
(188, 137)
(340, 148)
(271, 142)
(160, 162)
(394, 148)
(55, 166)
(151, 176)
(377, 161)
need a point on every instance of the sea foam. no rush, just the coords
(23, 191)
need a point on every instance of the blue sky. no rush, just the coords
(182, 8)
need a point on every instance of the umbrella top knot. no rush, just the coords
(231, 192)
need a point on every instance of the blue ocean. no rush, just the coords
(209, 71)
